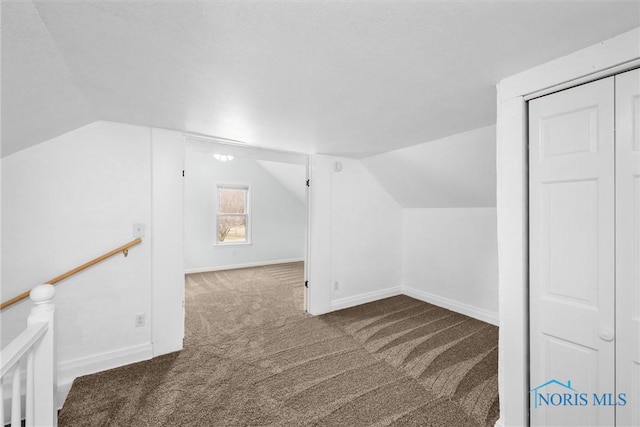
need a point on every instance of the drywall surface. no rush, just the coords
(167, 244)
(277, 216)
(356, 234)
(323, 76)
(288, 175)
(46, 102)
(66, 201)
(75, 197)
(366, 235)
(319, 262)
(450, 258)
(452, 172)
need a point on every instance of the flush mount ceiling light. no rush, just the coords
(223, 157)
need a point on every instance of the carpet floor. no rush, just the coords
(252, 357)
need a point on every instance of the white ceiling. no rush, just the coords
(348, 78)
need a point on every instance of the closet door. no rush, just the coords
(572, 261)
(628, 246)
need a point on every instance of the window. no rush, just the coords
(232, 219)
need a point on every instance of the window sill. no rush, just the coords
(233, 244)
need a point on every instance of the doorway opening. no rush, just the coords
(246, 227)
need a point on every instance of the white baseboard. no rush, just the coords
(61, 394)
(466, 309)
(71, 369)
(237, 266)
(347, 302)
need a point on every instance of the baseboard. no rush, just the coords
(347, 302)
(466, 309)
(72, 369)
(61, 394)
(237, 266)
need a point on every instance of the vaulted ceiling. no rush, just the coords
(349, 78)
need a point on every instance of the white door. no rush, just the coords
(572, 261)
(628, 246)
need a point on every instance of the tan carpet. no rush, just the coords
(252, 357)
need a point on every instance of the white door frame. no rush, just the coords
(610, 57)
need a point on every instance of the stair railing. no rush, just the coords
(124, 249)
(35, 347)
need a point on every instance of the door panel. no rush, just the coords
(567, 241)
(628, 246)
(571, 196)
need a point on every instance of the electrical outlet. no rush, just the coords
(140, 320)
(336, 285)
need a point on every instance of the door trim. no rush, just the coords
(512, 201)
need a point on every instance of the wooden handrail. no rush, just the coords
(124, 249)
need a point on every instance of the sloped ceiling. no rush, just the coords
(458, 171)
(40, 96)
(289, 175)
(348, 78)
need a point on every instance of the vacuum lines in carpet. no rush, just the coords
(252, 357)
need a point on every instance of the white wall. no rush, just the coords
(167, 244)
(319, 262)
(277, 215)
(357, 236)
(458, 171)
(66, 201)
(450, 258)
(448, 192)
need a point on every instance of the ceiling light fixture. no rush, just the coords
(223, 157)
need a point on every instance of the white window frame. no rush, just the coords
(247, 214)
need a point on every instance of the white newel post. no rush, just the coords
(44, 357)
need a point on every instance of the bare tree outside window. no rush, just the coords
(232, 214)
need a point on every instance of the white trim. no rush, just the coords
(605, 58)
(619, 51)
(61, 394)
(617, 69)
(459, 307)
(72, 369)
(222, 245)
(237, 266)
(247, 213)
(347, 302)
(319, 256)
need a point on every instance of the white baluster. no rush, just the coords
(44, 360)
(16, 410)
(28, 417)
